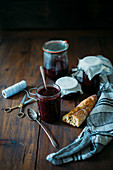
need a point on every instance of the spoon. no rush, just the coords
(32, 115)
(43, 76)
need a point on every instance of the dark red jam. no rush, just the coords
(90, 86)
(60, 69)
(53, 74)
(49, 92)
(49, 104)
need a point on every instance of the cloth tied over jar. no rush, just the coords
(68, 85)
(93, 66)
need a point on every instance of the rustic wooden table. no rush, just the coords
(23, 144)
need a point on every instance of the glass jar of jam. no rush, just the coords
(90, 86)
(48, 101)
(55, 58)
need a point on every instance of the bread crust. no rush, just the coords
(77, 116)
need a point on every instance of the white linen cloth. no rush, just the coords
(105, 70)
(68, 85)
(93, 65)
(70, 91)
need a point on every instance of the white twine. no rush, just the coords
(14, 89)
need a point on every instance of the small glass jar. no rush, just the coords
(55, 58)
(49, 103)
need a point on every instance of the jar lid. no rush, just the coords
(55, 46)
(67, 82)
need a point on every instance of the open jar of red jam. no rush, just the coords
(55, 58)
(48, 101)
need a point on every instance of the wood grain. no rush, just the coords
(23, 144)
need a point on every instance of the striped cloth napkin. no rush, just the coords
(96, 135)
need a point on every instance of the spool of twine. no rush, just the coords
(14, 89)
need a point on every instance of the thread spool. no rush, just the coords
(14, 89)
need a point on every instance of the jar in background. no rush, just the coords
(55, 60)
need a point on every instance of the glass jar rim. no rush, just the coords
(62, 42)
(48, 97)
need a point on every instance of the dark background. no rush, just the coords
(56, 14)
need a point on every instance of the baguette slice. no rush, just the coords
(77, 116)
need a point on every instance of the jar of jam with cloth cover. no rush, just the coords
(91, 69)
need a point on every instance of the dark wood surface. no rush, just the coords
(23, 144)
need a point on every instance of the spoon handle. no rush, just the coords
(53, 142)
(43, 76)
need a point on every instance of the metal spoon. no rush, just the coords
(43, 76)
(32, 115)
